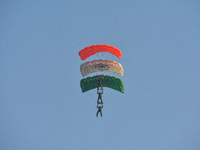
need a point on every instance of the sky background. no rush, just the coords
(41, 103)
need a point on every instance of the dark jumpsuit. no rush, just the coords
(99, 110)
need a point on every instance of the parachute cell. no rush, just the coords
(93, 49)
(90, 83)
(101, 65)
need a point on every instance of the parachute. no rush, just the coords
(93, 49)
(90, 83)
(101, 65)
(100, 81)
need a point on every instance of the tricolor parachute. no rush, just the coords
(100, 81)
(101, 65)
(90, 83)
(93, 49)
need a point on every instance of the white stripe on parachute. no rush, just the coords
(101, 65)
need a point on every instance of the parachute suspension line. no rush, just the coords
(99, 100)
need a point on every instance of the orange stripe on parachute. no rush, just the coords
(93, 49)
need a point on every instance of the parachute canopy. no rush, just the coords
(90, 83)
(101, 65)
(93, 49)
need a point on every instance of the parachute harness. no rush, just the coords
(99, 100)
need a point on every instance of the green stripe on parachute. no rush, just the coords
(90, 83)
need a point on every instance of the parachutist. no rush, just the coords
(99, 92)
(99, 110)
(99, 100)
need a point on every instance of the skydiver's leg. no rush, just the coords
(97, 113)
(101, 101)
(101, 98)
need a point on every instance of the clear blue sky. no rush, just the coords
(41, 104)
